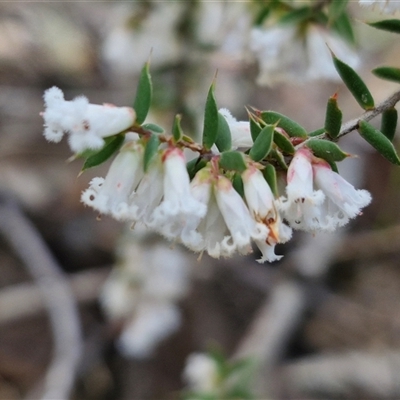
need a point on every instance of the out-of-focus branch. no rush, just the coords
(23, 300)
(283, 311)
(61, 306)
(375, 374)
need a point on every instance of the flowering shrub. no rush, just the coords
(227, 195)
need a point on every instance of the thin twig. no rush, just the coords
(368, 115)
(25, 300)
(61, 306)
(342, 375)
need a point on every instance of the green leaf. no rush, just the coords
(232, 161)
(195, 165)
(327, 150)
(391, 25)
(112, 145)
(344, 27)
(263, 144)
(336, 9)
(333, 166)
(150, 151)
(317, 132)
(333, 117)
(237, 183)
(278, 157)
(261, 15)
(143, 95)
(354, 83)
(296, 16)
(269, 173)
(176, 129)
(292, 128)
(283, 143)
(379, 141)
(389, 123)
(255, 129)
(224, 137)
(387, 73)
(153, 127)
(210, 129)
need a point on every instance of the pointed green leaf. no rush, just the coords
(153, 127)
(333, 165)
(327, 150)
(210, 129)
(255, 129)
(389, 123)
(317, 132)
(177, 132)
(269, 173)
(143, 95)
(354, 83)
(391, 25)
(278, 157)
(195, 165)
(296, 16)
(379, 141)
(237, 183)
(261, 15)
(112, 145)
(344, 27)
(336, 9)
(232, 161)
(150, 151)
(387, 73)
(224, 137)
(292, 128)
(263, 144)
(333, 117)
(283, 143)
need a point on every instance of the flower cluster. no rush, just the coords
(142, 291)
(205, 213)
(388, 6)
(287, 54)
(317, 197)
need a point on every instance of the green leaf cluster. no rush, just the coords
(233, 379)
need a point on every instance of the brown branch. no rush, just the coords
(352, 374)
(63, 313)
(370, 114)
(24, 300)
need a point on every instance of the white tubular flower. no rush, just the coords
(87, 124)
(240, 130)
(111, 195)
(201, 190)
(286, 55)
(302, 206)
(343, 201)
(148, 194)
(211, 234)
(201, 373)
(178, 206)
(218, 241)
(261, 203)
(388, 6)
(240, 223)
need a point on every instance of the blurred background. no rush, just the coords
(324, 320)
